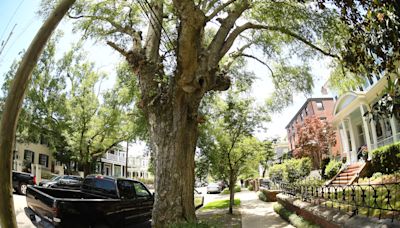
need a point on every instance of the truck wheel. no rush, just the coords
(22, 188)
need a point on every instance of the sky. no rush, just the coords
(21, 14)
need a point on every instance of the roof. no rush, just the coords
(305, 104)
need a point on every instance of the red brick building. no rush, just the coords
(320, 107)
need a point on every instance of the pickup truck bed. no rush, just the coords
(80, 208)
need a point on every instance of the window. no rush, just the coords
(29, 156)
(44, 160)
(141, 191)
(106, 186)
(126, 189)
(306, 111)
(320, 105)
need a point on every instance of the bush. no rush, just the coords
(251, 188)
(291, 170)
(332, 168)
(324, 163)
(386, 159)
(291, 217)
(262, 196)
(277, 172)
(236, 189)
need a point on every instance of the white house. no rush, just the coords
(113, 163)
(138, 166)
(355, 130)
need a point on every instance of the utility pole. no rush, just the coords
(126, 159)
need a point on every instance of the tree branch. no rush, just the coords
(117, 48)
(219, 9)
(232, 37)
(258, 60)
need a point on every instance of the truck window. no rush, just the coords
(141, 191)
(106, 186)
(126, 189)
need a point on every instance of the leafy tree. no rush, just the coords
(371, 49)
(12, 109)
(268, 153)
(187, 53)
(314, 140)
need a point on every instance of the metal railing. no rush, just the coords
(381, 200)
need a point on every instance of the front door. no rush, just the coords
(107, 170)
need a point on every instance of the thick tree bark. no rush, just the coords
(174, 134)
(12, 108)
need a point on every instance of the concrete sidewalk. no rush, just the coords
(256, 213)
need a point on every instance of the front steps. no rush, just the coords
(347, 175)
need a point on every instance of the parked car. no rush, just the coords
(222, 184)
(198, 199)
(64, 181)
(21, 180)
(214, 188)
(102, 201)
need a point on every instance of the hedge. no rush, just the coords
(332, 168)
(386, 159)
(291, 170)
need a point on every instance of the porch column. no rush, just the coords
(366, 132)
(112, 169)
(374, 136)
(346, 146)
(353, 143)
(394, 130)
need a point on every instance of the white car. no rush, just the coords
(214, 188)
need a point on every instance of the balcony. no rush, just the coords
(113, 159)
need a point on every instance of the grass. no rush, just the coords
(198, 224)
(220, 204)
(291, 217)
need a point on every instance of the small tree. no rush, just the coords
(315, 137)
(267, 155)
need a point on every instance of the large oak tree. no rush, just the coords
(176, 50)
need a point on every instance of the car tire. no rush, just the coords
(22, 188)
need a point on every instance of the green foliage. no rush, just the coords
(376, 175)
(267, 155)
(262, 196)
(386, 159)
(250, 187)
(293, 218)
(291, 170)
(324, 163)
(236, 189)
(197, 224)
(220, 204)
(332, 168)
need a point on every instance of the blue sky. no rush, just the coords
(22, 14)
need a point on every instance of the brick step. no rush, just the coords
(358, 165)
(343, 174)
(344, 177)
(338, 182)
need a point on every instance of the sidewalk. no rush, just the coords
(256, 213)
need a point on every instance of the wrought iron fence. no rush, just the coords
(381, 200)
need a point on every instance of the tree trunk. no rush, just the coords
(264, 171)
(12, 109)
(232, 181)
(174, 133)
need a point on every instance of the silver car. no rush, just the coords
(214, 188)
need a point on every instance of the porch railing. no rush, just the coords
(370, 199)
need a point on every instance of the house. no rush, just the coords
(281, 149)
(113, 163)
(357, 131)
(28, 156)
(138, 166)
(319, 107)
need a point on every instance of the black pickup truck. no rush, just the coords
(21, 180)
(101, 202)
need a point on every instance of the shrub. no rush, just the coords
(376, 175)
(291, 170)
(297, 169)
(251, 188)
(332, 168)
(386, 159)
(277, 172)
(324, 163)
(293, 218)
(262, 196)
(236, 189)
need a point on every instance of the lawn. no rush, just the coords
(220, 204)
